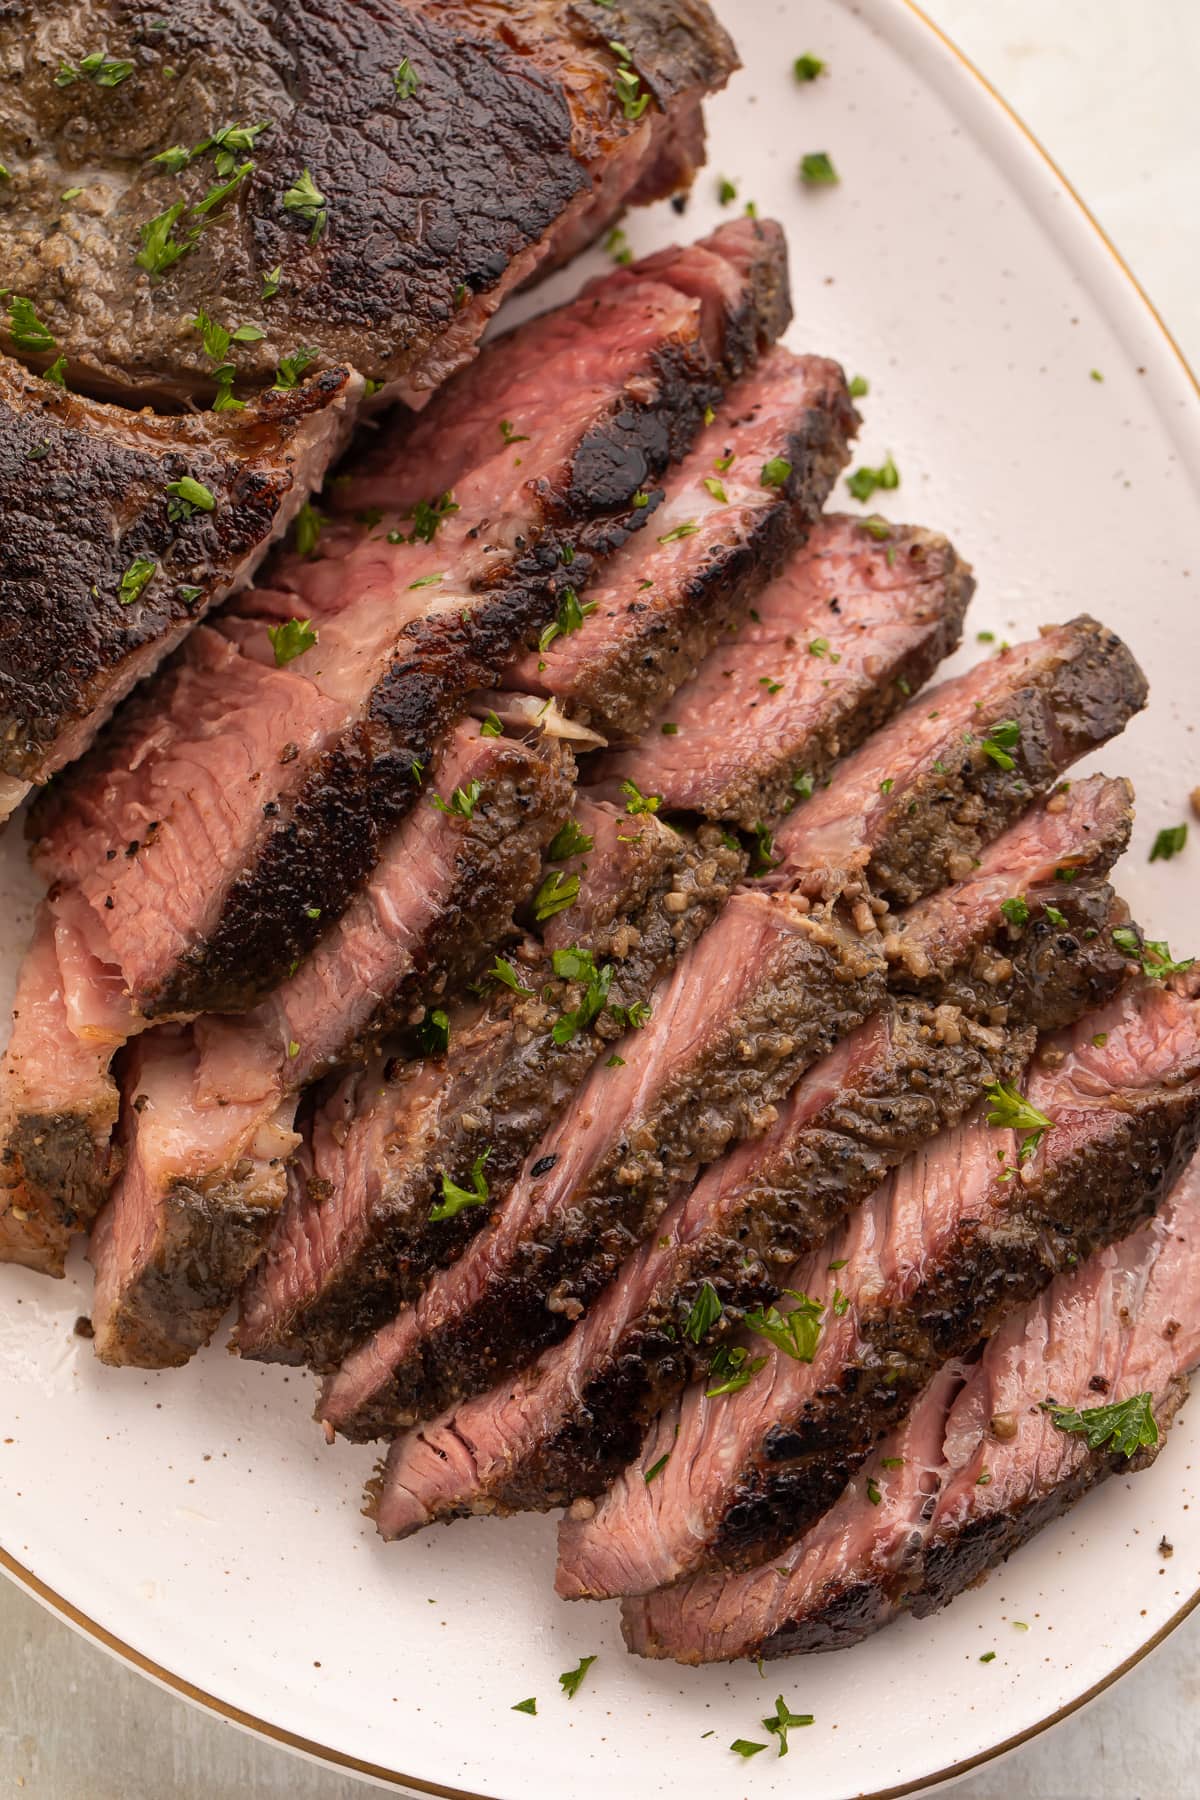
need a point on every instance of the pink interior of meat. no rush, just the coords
(48, 1067)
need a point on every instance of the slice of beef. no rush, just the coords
(570, 1423)
(665, 599)
(85, 493)
(863, 613)
(241, 797)
(58, 1101)
(399, 167)
(961, 763)
(940, 1255)
(979, 1466)
(361, 1236)
(211, 1109)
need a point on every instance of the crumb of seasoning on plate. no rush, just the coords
(1165, 1548)
(1194, 797)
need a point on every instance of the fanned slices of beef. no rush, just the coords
(768, 990)
(210, 1109)
(367, 180)
(944, 1250)
(225, 821)
(120, 531)
(672, 591)
(567, 1425)
(360, 1236)
(859, 617)
(981, 1464)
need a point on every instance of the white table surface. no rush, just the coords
(1109, 87)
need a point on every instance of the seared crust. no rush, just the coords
(434, 201)
(83, 495)
(56, 1173)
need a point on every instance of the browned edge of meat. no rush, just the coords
(447, 160)
(361, 1239)
(85, 494)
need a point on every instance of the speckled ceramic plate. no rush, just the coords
(196, 1524)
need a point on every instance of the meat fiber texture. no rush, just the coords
(362, 1238)
(665, 598)
(979, 1466)
(858, 618)
(565, 1427)
(365, 180)
(229, 817)
(103, 569)
(210, 1111)
(944, 1251)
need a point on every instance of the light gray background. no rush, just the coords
(1109, 87)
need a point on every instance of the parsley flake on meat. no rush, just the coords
(305, 199)
(25, 328)
(189, 496)
(457, 1199)
(405, 79)
(290, 640)
(1125, 1426)
(1011, 1111)
(797, 1332)
(136, 579)
(703, 1314)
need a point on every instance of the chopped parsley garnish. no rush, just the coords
(457, 1199)
(189, 496)
(817, 170)
(428, 515)
(873, 1493)
(744, 1747)
(491, 726)
(840, 1304)
(160, 247)
(293, 1049)
(999, 740)
(527, 1706)
(891, 1462)
(1056, 918)
(820, 647)
(988, 1656)
(716, 489)
(567, 841)
(503, 971)
(1100, 1038)
(681, 531)
(703, 1314)
(1125, 1426)
(424, 581)
(1013, 1112)
(616, 245)
(271, 281)
(803, 785)
(637, 802)
(859, 387)
(290, 640)
(71, 193)
(220, 191)
(593, 1003)
(726, 190)
(25, 328)
(405, 79)
(57, 372)
(1168, 843)
(763, 858)
(462, 802)
(772, 686)
(866, 481)
(105, 71)
(775, 472)
(780, 1721)
(556, 894)
(1153, 953)
(136, 579)
(306, 529)
(807, 68)
(656, 1468)
(292, 367)
(731, 1369)
(628, 85)
(305, 199)
(509, 435)
(1016, 910)
(567, 621)
(796, 1333)
(572, 1680)
(668, 728)
(433, 1033)
(877, 527)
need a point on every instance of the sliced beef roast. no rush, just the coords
(663, 601)
(224, 822)
(962, 762)
(860, 617)
(988, 1456)
(567, 1425)
(211, 1108)
(945, 1249)
(623, 899)
(365, 180)
(120, 531)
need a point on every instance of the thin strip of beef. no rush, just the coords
(120, 531)
(876, 608)
(58, 1101)
(980, 1465)
(256, 786)
(665, 599)
(367, 180)
(569, 1424)
(210, 1109)
(361, 1235)
(961, 763)
(945, 1249)
(766, 992)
